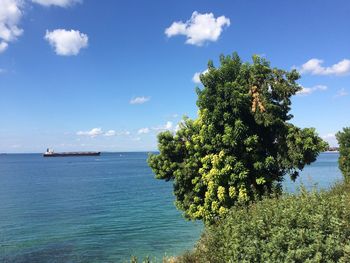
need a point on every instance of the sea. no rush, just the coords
(102, 208)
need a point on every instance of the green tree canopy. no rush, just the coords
(241, 145)
(344, 151)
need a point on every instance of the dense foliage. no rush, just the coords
(309, 227)
(344, 152)
(241, 145)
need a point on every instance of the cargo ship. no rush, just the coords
(51, 153)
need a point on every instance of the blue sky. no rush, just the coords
(109, 75)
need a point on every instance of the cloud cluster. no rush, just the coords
(60, 3)
(98, 131)
(314, 67)
(110, 133)
(66, 42)
(10, 16)
(199, 29)
(168, 126)
(143, 131)
(3, 46)
(139, 100)
(92, 133)
(123, 133)
(342, 93)
(115, 133)
(331, 139)
(196, 76)
(329, 136)
(307, 91)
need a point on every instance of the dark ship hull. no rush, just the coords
(66, 154)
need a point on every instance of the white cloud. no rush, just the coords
(123, 133)
(110, 133)
(331, 139)
(167, 126)
(66, 42)
(3, 46)
(307, 91)
(179, 125)
(10, 16)
(139, 100)
(314, 67)
(342, 93)
(329, 136)
(92, 133)
(196, 76)
(199, 29)
(143, 131)
(60, 3)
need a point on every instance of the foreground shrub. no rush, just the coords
(344, 152)
(308, 227)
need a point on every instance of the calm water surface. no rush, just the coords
(321, 174)
(100, 209)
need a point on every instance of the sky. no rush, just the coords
(110, 75)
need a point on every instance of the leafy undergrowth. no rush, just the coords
(306, 227)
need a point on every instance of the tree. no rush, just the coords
(241, 145)
(344, 151)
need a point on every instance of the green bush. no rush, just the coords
(241, 145)
(307, 227)
(344, 152)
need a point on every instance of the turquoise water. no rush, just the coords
(100, 209)
(87, 209)
(320, 175)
